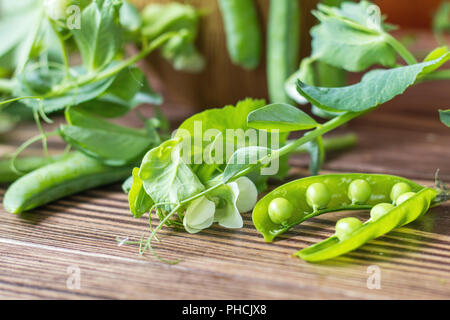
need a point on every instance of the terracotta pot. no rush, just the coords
(221, 82)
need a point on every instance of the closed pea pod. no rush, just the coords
(24, 165)
(244, 40)
(283, 44)
(74, 173)
(337, 186)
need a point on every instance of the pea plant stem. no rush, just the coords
(400, 49)
(333, 143)
(319, 131)
(437, 75)
(62, 45)
(109, 72)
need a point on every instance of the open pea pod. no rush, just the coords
(400, 215)
(337, 185)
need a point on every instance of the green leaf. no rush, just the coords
(73, 97)
(433, 55)
(129, 17)
(244, 158)
(161, 18)
(99, 38)
(228, 117)
(129, 90)
(375, 88)
(444, 115)
(167, 179)
(179, 50)
(140, 202)
(111, 143)
(219, 120)
(441, 21)
(39, 82)
(126, 185)
(282, 117)
(15, 34)
(351, 37)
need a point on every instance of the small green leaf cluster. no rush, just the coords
(353, 37)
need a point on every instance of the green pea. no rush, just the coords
(398, 189)
(359, 191)
(280, 210)
(380, 210)
(402, 198)
(317, 196)
(346, 226)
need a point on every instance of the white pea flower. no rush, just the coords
(56, 9)
(248, 194)
(229, 202)
(227, 213)
(199, 215)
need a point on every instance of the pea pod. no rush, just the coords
(244, 40)
(25, 165)
(283, 46)
(74, 173)
(337, 185)
(400, 215)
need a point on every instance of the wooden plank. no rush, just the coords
(37, 248)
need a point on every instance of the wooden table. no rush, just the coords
(43, 252)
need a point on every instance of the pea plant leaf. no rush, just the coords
(17, 36)
(445, 117)
(111, 143)
(99, 37)
(128, 90)
(140, 202)
(244, 158)
(375, 88)
(166, 177)
(441, 20)
(352, 37)
(180, 50)
(129, 17)
(215, 124)
(57, 101)
(282, 117)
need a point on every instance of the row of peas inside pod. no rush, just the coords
(393, 201)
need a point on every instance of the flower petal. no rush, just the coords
(248, 194)
(228, 215)
(199, 215)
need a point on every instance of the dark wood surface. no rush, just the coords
(404, 137)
